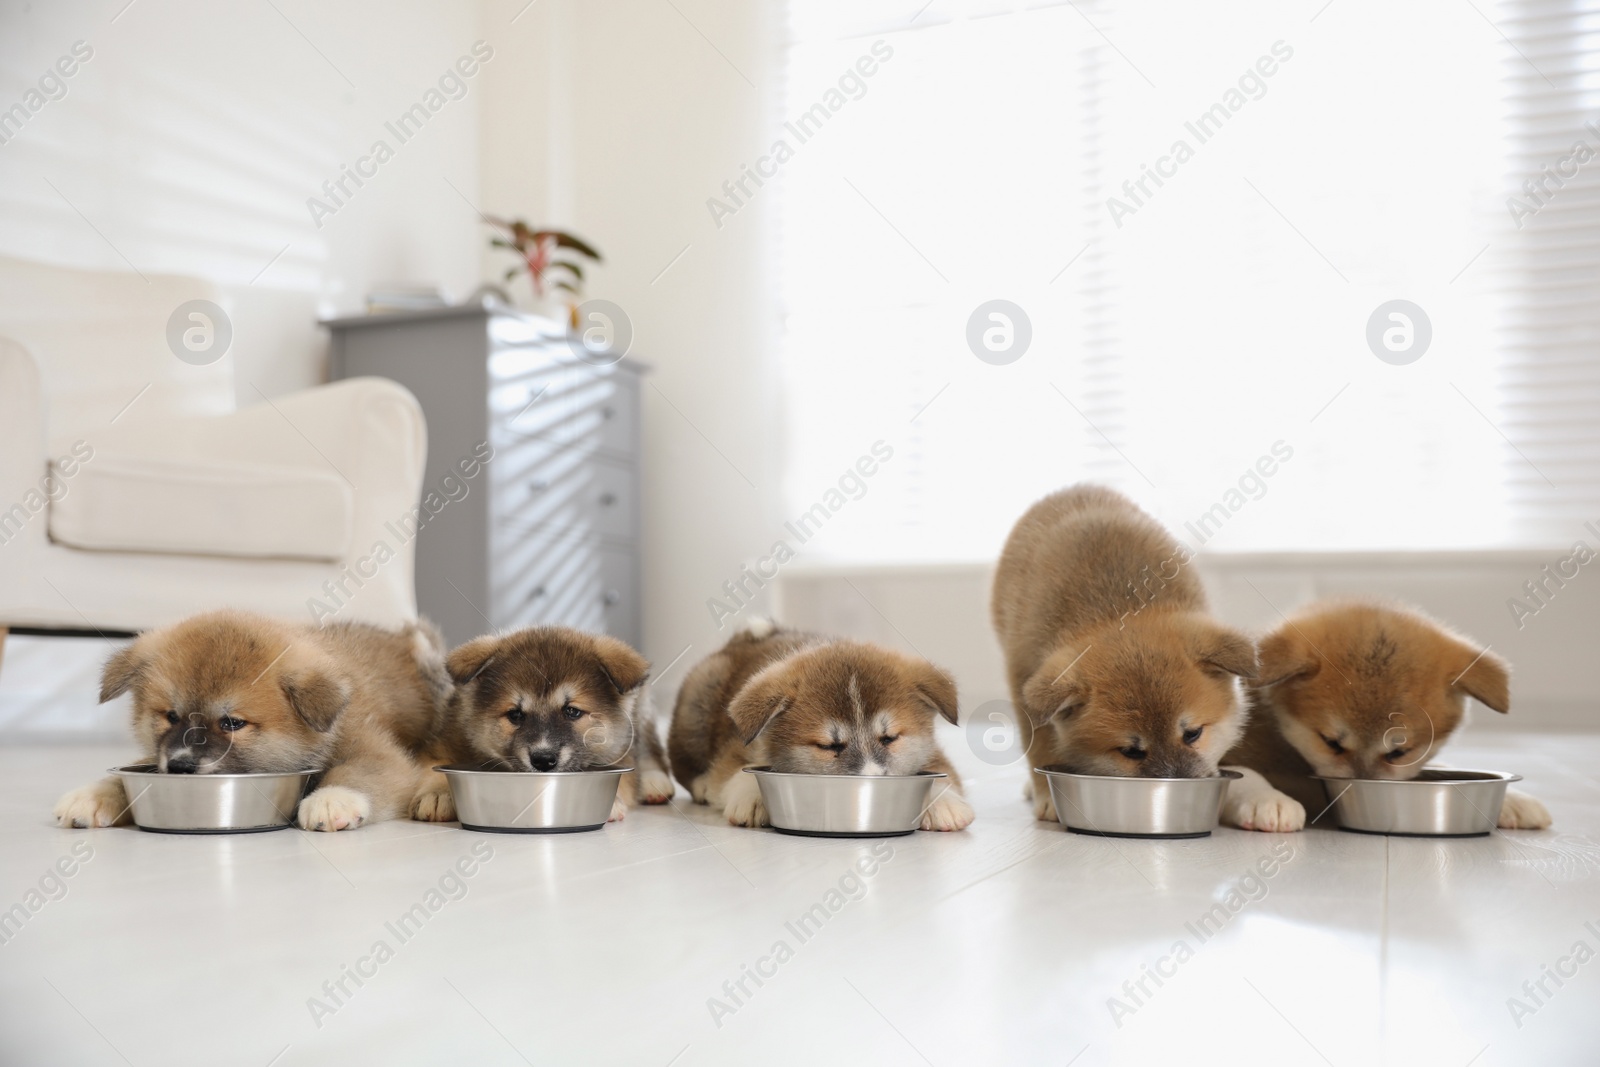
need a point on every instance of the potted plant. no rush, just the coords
(552, 259)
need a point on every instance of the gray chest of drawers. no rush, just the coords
(548, 530)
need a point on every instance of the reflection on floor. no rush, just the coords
(672, 938)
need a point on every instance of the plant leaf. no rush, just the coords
(566, 240)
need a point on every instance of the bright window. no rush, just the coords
(1206, 325)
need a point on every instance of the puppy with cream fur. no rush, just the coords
(235, 693)
(1114, 663)
(804, 704)
(551, 698)
(1358, 689)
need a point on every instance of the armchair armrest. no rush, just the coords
(369, 431)
(22, 444)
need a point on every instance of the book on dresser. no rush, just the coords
(546, 527)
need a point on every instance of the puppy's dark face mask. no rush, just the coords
(546, 699)
(218, 697)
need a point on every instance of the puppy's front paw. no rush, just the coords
(434, 804)
(619, 810)
(332, 808)
(741, 801)
(1044, 807)
(101, 804)
(1522, 812)
(655, 786)
(949, 812)
(1272, 811)
(746, 812)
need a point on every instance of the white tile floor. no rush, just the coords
(1002, 944)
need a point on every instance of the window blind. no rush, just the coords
(1549, 280)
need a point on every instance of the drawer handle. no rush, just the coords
(611, 598)
(607, 499)
(537, 593)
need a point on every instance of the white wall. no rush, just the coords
(617, 119)
(191, 140)
(943, 613)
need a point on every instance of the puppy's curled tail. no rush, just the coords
(755, 628)
(428, 650)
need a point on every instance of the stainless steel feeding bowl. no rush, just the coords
(533, 802)
(1107, 806)
(211, 803)
(846, 805)
(1436, 803)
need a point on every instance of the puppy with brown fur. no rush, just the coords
(235, 693)
(804, 704)
(1114, 664)
(1358, 689)
(550, 698)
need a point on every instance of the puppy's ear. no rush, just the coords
(624, 668)
(316, 697)
(465, 661)
(1286, 657)
(1056, 690)
(936, 688)
(1487, 679)
(120, 672)
(1220, 650)
(759, 701)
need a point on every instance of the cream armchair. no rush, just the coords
(132, 493)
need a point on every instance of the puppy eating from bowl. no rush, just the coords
(1358, 689)
(553, 699)
(235, 693)
(804, 704)
(1114, 664)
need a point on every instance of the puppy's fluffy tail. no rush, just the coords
(755, 628)
(428, 649)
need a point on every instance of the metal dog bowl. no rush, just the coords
(211, 803)
(844, 805)
(533, 802)
(1107, 806)
(1436, 803)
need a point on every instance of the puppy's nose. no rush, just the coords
(185, 764)
(542, 761)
